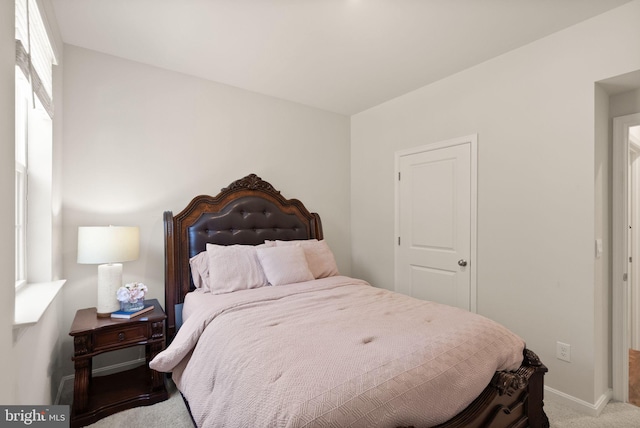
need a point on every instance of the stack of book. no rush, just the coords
(127, 314)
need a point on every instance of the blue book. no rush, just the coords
(127, 315)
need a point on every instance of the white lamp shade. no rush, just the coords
(108, 244)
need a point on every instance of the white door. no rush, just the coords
(436, 223)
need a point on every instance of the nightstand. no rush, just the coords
(100, 396)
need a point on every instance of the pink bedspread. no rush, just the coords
(334, 352)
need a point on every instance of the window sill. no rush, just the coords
(32, 300)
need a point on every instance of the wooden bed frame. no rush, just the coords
(250, 211)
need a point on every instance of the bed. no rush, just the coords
(321, 349)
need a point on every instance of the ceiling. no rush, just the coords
(343, 56)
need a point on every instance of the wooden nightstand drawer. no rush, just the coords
(124, 335)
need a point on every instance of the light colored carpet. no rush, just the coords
(614, 415)
(173, 413)
(169, 413)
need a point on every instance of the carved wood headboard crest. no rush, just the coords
(248, 211)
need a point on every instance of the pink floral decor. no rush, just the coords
(131, 296)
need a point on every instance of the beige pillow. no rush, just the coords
(233, 268)
(200, 270)
(284, 265)
(319, 256)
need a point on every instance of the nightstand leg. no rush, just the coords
(157, 332)
(157, 378)
(81, 384)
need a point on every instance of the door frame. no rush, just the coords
(634, 245)
(472, 141)
(620, 339)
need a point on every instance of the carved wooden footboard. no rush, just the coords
(512, 399)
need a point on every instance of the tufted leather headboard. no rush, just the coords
(248, 211)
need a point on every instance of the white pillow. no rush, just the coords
(234, 267)
(319, 256)
(200, 270)
(284, 265)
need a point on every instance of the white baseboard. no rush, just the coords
(100, 372)
(576, 403)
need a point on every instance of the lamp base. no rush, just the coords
(109, 280)
(101, 315)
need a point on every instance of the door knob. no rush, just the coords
(462, 262)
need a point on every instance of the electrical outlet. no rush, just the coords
(563, 351)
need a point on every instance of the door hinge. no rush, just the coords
(398, 240)
(624, 276)
(398, 176)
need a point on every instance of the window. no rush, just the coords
(34, 138)
(22, 113)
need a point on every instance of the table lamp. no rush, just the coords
(108, 246)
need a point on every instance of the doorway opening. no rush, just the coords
(626, 256)
(634, 256)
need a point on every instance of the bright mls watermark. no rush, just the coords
(34, 416)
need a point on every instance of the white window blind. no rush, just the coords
(34, 54)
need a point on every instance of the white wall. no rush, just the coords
(140, 140)
(625, 103)
(37, 351)
(602, 265)
(533, 109)
(7, 180)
